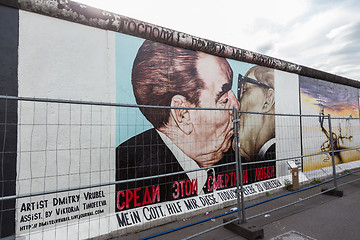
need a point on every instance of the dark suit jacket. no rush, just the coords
(270, 154)
(147, 155)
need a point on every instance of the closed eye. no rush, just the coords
(224, 100)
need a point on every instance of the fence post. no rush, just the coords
(239, 182)
(238, 224)
(332, 152)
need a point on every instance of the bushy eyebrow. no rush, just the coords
(224, 89)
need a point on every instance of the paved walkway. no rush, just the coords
(320, 217)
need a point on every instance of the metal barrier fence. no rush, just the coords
(83, 169)
(77, 169)
(329, 147)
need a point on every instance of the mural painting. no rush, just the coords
(192, 150)
(174, 141)
(322, 98)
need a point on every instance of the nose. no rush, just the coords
(233, 102)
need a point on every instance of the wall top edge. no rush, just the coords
(90, 16)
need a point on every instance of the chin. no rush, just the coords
(245, 156)
(218, 158)
(227, 145)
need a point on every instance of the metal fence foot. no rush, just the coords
(245, 230)
(333, 192)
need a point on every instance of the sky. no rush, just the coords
(321, 34)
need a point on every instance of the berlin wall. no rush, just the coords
(69, 51)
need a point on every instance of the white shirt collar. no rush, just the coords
(186, 163)
(265, 147)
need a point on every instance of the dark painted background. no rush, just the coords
(9, 35)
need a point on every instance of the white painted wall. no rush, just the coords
(288, 129)
(71, 145)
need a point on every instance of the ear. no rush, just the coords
(181, 116)
(269, 100)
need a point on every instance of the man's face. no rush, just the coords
(252, 95)
(252, 98)
(213, 129)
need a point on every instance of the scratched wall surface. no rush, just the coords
(90, 16)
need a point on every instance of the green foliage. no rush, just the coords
(347, 171)
(316, 181)
(267, 193)
(288, 184)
